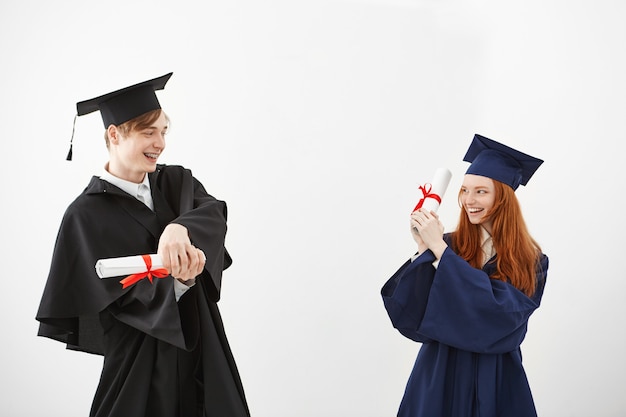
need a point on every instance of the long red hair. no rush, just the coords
(517, 252)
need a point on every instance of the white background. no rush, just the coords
(316, 120)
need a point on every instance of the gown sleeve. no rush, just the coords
(74, 295)
(205, 219)
(405, 295)
(462, 307)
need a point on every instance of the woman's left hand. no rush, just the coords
(430, 229)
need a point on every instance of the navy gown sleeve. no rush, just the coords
(460, 306)
(405, 295)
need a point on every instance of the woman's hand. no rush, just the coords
(421, 246)
(183, 260)
(427, 231)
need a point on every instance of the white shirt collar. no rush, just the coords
(129, 187)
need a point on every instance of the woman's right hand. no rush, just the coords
(427, 231)
(421, 247)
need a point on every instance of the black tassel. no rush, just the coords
(69, 154)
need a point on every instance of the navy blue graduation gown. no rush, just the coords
(162, 358)
(471, 328)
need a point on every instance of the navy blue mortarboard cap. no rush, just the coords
(499, 162)
(123, 105)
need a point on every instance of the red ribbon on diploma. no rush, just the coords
(149, 273)
(426, 188)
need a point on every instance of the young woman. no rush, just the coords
(164, 347)
(467, 295)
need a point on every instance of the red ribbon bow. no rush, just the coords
(425, 189)
(150, 273)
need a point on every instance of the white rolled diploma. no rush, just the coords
(125, 265)
(439, 185)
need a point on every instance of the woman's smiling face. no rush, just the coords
(478, 198)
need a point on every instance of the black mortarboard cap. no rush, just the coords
(499, 162)
(123, 105)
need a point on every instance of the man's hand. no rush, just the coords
(183, 260)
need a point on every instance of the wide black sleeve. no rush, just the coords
(205, 218)
(73, 294)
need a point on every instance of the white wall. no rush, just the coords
(316, 120)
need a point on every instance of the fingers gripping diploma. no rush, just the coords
(427, 231)
(183, 260)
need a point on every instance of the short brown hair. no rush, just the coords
(138, 123)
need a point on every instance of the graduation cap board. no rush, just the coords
(123, 105)
(499, 162)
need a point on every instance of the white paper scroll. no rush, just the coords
(126, 265)
(433, 192)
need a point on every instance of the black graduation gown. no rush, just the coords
(471, 328)
(161, 357)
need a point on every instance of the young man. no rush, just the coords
(164, 347)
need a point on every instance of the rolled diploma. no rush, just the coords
(126, 265)
(440, 182)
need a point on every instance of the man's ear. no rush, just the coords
(114, 135)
